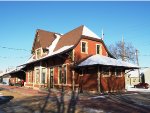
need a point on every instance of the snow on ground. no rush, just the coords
(131, 88)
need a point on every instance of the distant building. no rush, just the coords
(133, 77)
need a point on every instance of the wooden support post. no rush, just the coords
(81, 82)
(73, 83)
(98, 80)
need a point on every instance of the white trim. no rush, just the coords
(73, 52)
(45, 75)
(100, 51)
(37, 68)
(86, 47)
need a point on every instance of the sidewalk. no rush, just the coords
(24, 90)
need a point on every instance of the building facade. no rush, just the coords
(56, 59)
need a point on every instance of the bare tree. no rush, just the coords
(123, 50)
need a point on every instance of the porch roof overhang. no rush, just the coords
(56, 53)
(105, 61)
(14, 70)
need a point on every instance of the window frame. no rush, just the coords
(51, 69)
(86, 47)
(36, 76)
(100, 51)
(61, 74)
(41, 79)
(36, 53)
(30, 74)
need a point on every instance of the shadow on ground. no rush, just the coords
(52, 103)
(5, 99)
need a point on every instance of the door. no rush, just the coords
(51, 85)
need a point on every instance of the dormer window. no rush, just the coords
(84, 47)
(98, 49)
(38, 53)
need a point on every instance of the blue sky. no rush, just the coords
(19, 21)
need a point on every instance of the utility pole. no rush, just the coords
(136, 53)
(123, 49)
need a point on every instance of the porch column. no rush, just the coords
(73, 83)
(81, 82)
(98, 80)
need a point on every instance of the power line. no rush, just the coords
(20, 57)
(16, 49)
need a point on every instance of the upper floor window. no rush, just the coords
(98, 49)
(118, 72)
(38, 53)
(84, 47)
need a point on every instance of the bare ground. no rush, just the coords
(75, 103)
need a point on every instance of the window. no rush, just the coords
(84, 47)
(62, 74)
(30, 77)
(118, 72)
(51, 77)
(38, 53)
(65, 72)
(37, 76)
(43, 75)
(98, 49)
(106, 72)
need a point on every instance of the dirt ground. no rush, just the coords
(57, 102)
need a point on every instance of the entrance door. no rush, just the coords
(51, 85)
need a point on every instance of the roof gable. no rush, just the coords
(70, 38)
(43, 39)
(87, 32)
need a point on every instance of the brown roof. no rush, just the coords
(70, 38)
(43, 39)
(73, 37)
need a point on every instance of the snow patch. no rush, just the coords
(30, 59)
(129, 88)
(91, 110)
(53, 45)
(97, 97)
(104, 60)
(87, 32)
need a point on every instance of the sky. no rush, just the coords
(20, 20)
